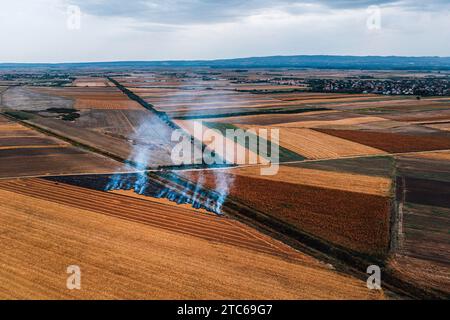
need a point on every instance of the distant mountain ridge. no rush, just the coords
(298, 61)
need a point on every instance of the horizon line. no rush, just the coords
(222, 59)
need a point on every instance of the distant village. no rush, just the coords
(419, 86)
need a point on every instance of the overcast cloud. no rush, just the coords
(111, 30)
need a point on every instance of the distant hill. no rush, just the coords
(300, 61)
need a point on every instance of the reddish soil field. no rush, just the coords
(392, 142)
(353, 220)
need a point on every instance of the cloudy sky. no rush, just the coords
(112, 30)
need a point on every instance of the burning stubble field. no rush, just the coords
(361, 181)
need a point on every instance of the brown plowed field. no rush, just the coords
(353, 220)
(422, 254)
(26, 161)
(25, 152)
(392, 142)
(122, 259)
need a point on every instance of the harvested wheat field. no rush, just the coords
(392, 142)
(133, 260)
(317, 145)
(165, 201)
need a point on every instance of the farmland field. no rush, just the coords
(422, 195)
(88, 178)
(92, 97)
(25, 152)
(120, 252)
(393, 142)
(331, 213)
(317, 145)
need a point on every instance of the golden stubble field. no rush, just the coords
(126, 260)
